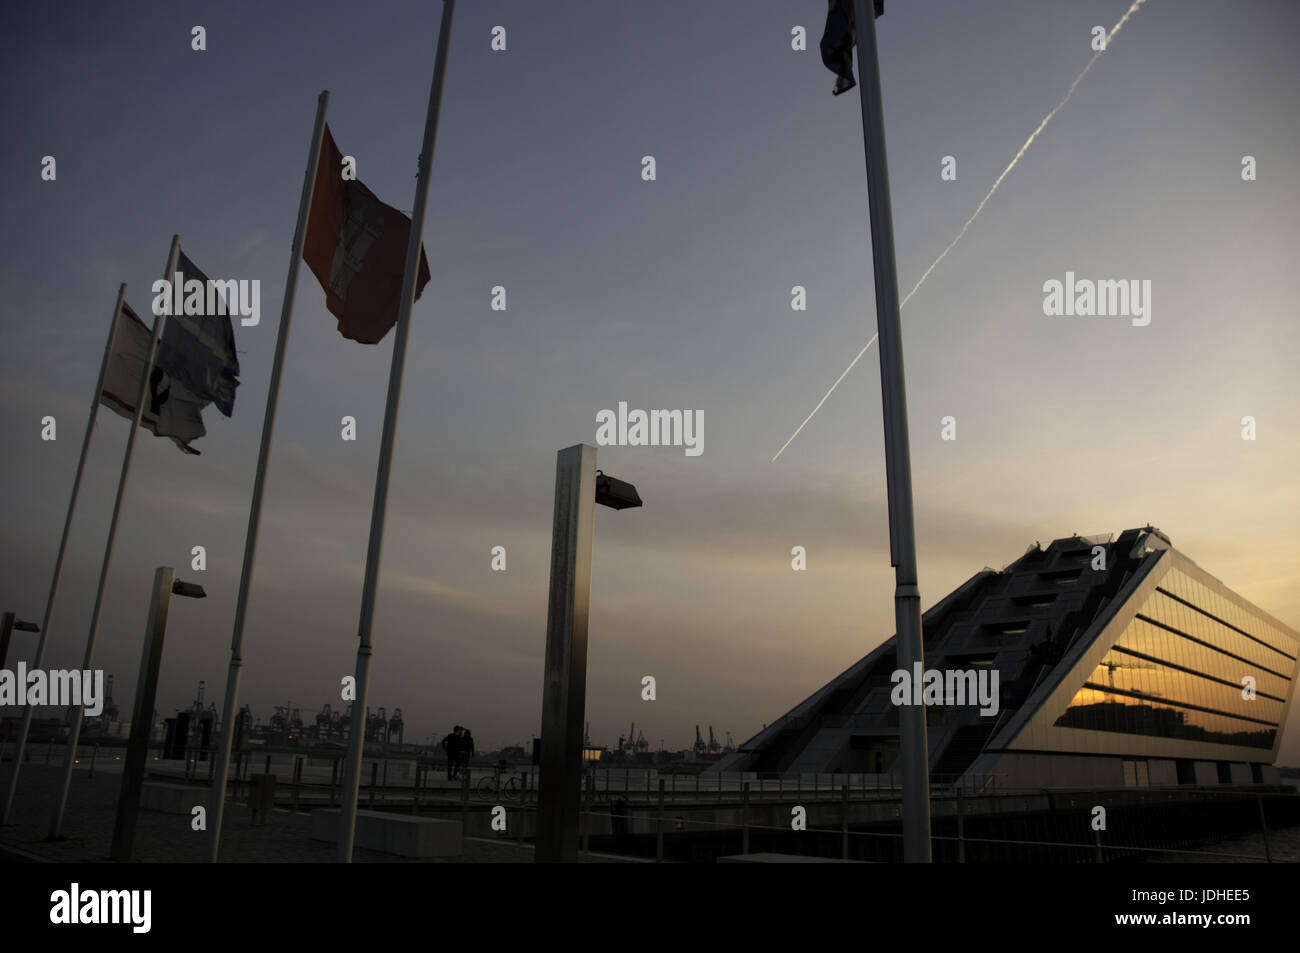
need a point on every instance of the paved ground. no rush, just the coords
(167, 838)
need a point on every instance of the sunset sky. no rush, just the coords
(674, 293)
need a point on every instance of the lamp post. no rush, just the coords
(9, 622)
(578, 487)
(137, 751)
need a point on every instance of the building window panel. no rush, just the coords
(1218, 696)
(1106, 711)
(1159, 683)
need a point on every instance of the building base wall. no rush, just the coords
(1163, 772)
(1039, 770)
(1207, 773)
(1057, 770)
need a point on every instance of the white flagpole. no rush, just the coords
(357, 727)
(230, 710)
(70, 756)
(63, 548)
(915, 752)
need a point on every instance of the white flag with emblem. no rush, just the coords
(170, 409)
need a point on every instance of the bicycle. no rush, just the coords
(492, 785)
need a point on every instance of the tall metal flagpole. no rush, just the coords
(63, 548)
(70, 756)
(255, 511)
(898, 463)
(357, 727)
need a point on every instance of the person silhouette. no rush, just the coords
(451, 744)
(466, 747)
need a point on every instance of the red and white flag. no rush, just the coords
(170, 409)
(356, 247)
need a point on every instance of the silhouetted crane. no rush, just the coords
(325, 722)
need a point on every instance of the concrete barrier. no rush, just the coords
(173, 798)
(398, 834)
(782, 859)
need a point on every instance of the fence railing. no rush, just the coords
(617, 799)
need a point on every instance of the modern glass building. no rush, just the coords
(1115, 661)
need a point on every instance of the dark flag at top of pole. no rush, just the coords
(838, 40)
(198, 348)
(356, 247)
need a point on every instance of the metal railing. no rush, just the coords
(618, 800)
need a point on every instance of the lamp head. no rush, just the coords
(191, 589)
(616, 494)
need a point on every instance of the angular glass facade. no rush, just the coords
(1177, 671)
(1127, 672)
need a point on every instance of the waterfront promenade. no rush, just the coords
(88, 826)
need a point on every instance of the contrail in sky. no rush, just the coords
(979, 208)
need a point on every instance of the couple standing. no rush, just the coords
(459, 746)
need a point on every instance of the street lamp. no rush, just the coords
(616, 494)
(9, 622)
(137, 750)
(578, 487)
